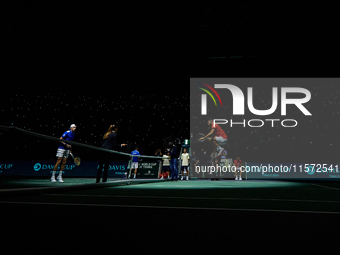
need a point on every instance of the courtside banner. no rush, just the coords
(286, 127)
(45, 168)
(148, 170)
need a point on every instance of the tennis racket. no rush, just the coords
(199, 136)
(76, 160)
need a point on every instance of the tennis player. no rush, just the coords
(63, 152)
(173, 162)
(166, 165)
(185, 163)
(238, 164)
(109, 142)
(219, 137)
(134, 163)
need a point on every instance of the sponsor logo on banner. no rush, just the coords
(44, 168)
(6, 166)
(38, 166)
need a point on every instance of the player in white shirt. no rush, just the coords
(166, 165)
(185, 163)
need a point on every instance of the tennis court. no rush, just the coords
(251, 195)
(191, 207)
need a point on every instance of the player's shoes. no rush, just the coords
(220, 151)
(60, 179)
(236, 178)
(187, 178)
(182, 178)
(240, 178)
(53, 179)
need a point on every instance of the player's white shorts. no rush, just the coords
(62, 153)
(134, 165)
(220, 140)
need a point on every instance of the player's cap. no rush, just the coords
(73, 125)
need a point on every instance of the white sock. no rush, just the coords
(60, 174)
(53, 174)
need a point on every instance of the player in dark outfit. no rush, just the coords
(109, 142)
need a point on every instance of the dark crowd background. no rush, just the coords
(149, 121)
(94, 65)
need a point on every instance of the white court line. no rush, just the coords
(197, 198)
(324, 186)
(171, 207)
